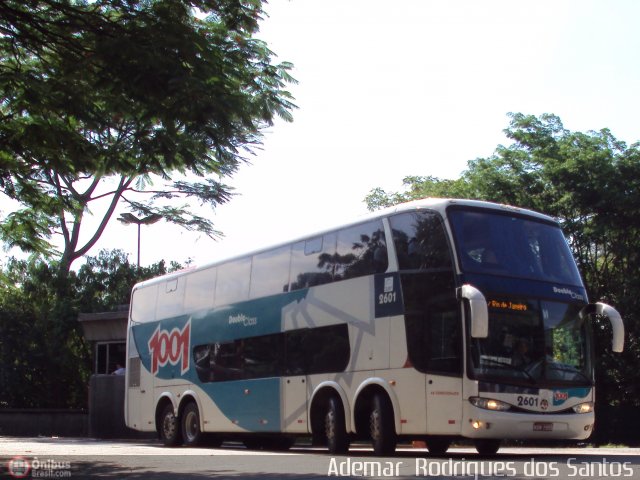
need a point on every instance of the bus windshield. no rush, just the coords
(533, 342)
(511, 245)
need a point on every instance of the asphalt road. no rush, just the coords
(83, 458)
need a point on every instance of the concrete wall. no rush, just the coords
(44, 422)
(104, 420)
(106, 408)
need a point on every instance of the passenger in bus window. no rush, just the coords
(521, 356)
(120, 370)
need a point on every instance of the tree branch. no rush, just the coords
(124, 184)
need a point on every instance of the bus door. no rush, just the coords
(444, 404)
(444, 370)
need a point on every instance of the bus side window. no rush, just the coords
(420, 241)
(263, 356)
(143, 304)
(218, 362)
(312, 262)
(232, 284)
(171, 298)
(270, 272)
(432, 321)
(297, 352)
(361, 250)
(317, 350)
(199, 290)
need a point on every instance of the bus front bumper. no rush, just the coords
(481, 423)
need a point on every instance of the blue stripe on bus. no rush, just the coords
(251, 404)
(242, 320)
(562, 395)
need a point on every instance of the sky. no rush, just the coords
(410, 87)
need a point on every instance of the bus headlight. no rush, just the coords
(489, 404)
(586, 407)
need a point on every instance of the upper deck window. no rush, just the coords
(232, 284)
(350, 252)
(420, 240)
(361, 250)
(512, 245)
(270, 272)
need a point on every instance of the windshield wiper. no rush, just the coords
(512, 367)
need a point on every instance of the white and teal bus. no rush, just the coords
(432, 320)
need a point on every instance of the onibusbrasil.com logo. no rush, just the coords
(21, 467)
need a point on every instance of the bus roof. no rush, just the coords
(441, 204)
(437, 204)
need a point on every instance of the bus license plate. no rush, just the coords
(543, 427)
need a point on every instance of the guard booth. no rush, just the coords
(107, 333)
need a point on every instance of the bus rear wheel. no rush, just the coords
(191, 425)
(381, 425)
(335, 427)
(487, 447)
(170, 427)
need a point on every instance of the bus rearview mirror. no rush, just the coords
(479, 313)
(617, 327)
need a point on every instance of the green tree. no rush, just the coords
(104, 282)
(42, 352)
(418, 187)
(590, 181)
(149, 104)
(44, 359)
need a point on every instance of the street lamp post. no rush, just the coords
(129, 218)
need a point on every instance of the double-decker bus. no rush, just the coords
(431, 320)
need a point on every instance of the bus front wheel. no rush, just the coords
(191, 425)
(170, 427)
(487, 447)
(335, 427)
(381, 424)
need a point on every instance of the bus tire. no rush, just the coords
(335, 427)
(191, 433)
(438, 446)
(381, 425)
(170, 431)
(487, 447)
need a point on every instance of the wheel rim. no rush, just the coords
(191, 426)
(375, 425)
(330, 425)
(169, 427)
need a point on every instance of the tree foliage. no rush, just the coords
(590, 181)
(146, 103)
(44, 360)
